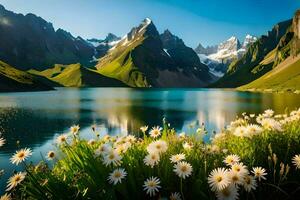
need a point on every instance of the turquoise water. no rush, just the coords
(36, 118)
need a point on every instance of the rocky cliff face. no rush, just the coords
(226, 53)
(28, 41)
(143, 58)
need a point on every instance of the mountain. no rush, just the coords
(28, 41)
(143, 58)
(206, 50)
(284, 60)
(218, 59)
(258, 60)
(14, 80)
(75, 75)
(102, 46)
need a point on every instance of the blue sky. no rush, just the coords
(205, 21)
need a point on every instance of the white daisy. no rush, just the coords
(249, 183)
(231, 159)
(152, 159)
(228, 193)
(271, 124)
(240, 168)
(268, 113)
(259, 173)
(241, 131)
(296, 161)
(50, 155)
(91, 142)
(102, 149)
(175, 196)
(6, 197)
(2, 142)
(112, 157)
(187, 145)
(235, 178)
(116, 176)
(15, 180)
(155, 132)
(253, 129)
(178, 157)
(20, 156)
(183, 169)
(144, 129)
(218, 179)
(62, 138)
(74, 129)
(151, 186)
(158, 146)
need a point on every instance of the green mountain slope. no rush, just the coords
(258, 60)
(13, 80)
(285, 61)
(139, 60)
(285, 77)
(75, 75)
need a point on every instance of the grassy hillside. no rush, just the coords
(12, 79)
(286, 76)
(75, 75)
(118, 64)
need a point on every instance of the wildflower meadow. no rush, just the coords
(254, 157)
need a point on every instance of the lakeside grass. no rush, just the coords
(181, 166)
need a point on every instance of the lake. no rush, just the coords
(36, 118)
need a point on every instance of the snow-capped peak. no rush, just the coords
(249, 39)
(147, 21)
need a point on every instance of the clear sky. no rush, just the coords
(205, 21)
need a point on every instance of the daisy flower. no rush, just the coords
(218, 179)
(15, 180)
(241, 131)
(178, 157)
(116, 176)
(231, 159)
(6, 197)
(183, 169)
(249, 183)
(228, 193)
(20, 156)
(102, 149)
(155, 132)
(296, 161)
(2, 142)
(259, 173)
(112, 158)
(74, 129)
(131, 139)
(144, 129)
(151, 186)
(235, 178)
(50, 155)
(240, 168)
(268, 113)
(62, 138)
(187, 145)
(91, 142)
(152, 159)
(253, 129)
(158, 146)
(175, 196)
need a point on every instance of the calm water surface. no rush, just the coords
(36, 118)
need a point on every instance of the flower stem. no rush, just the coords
(181, 191)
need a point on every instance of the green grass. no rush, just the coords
(78, 174)
(283, 78)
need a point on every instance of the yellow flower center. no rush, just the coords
(184, 168)
(21, 155)
(219, 179)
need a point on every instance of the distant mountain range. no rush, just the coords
(219, 57)
(34, 56)
(271, 63)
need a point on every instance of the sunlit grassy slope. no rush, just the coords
(286, 76)
(75, 75)
(12, 79)
(118, 64)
